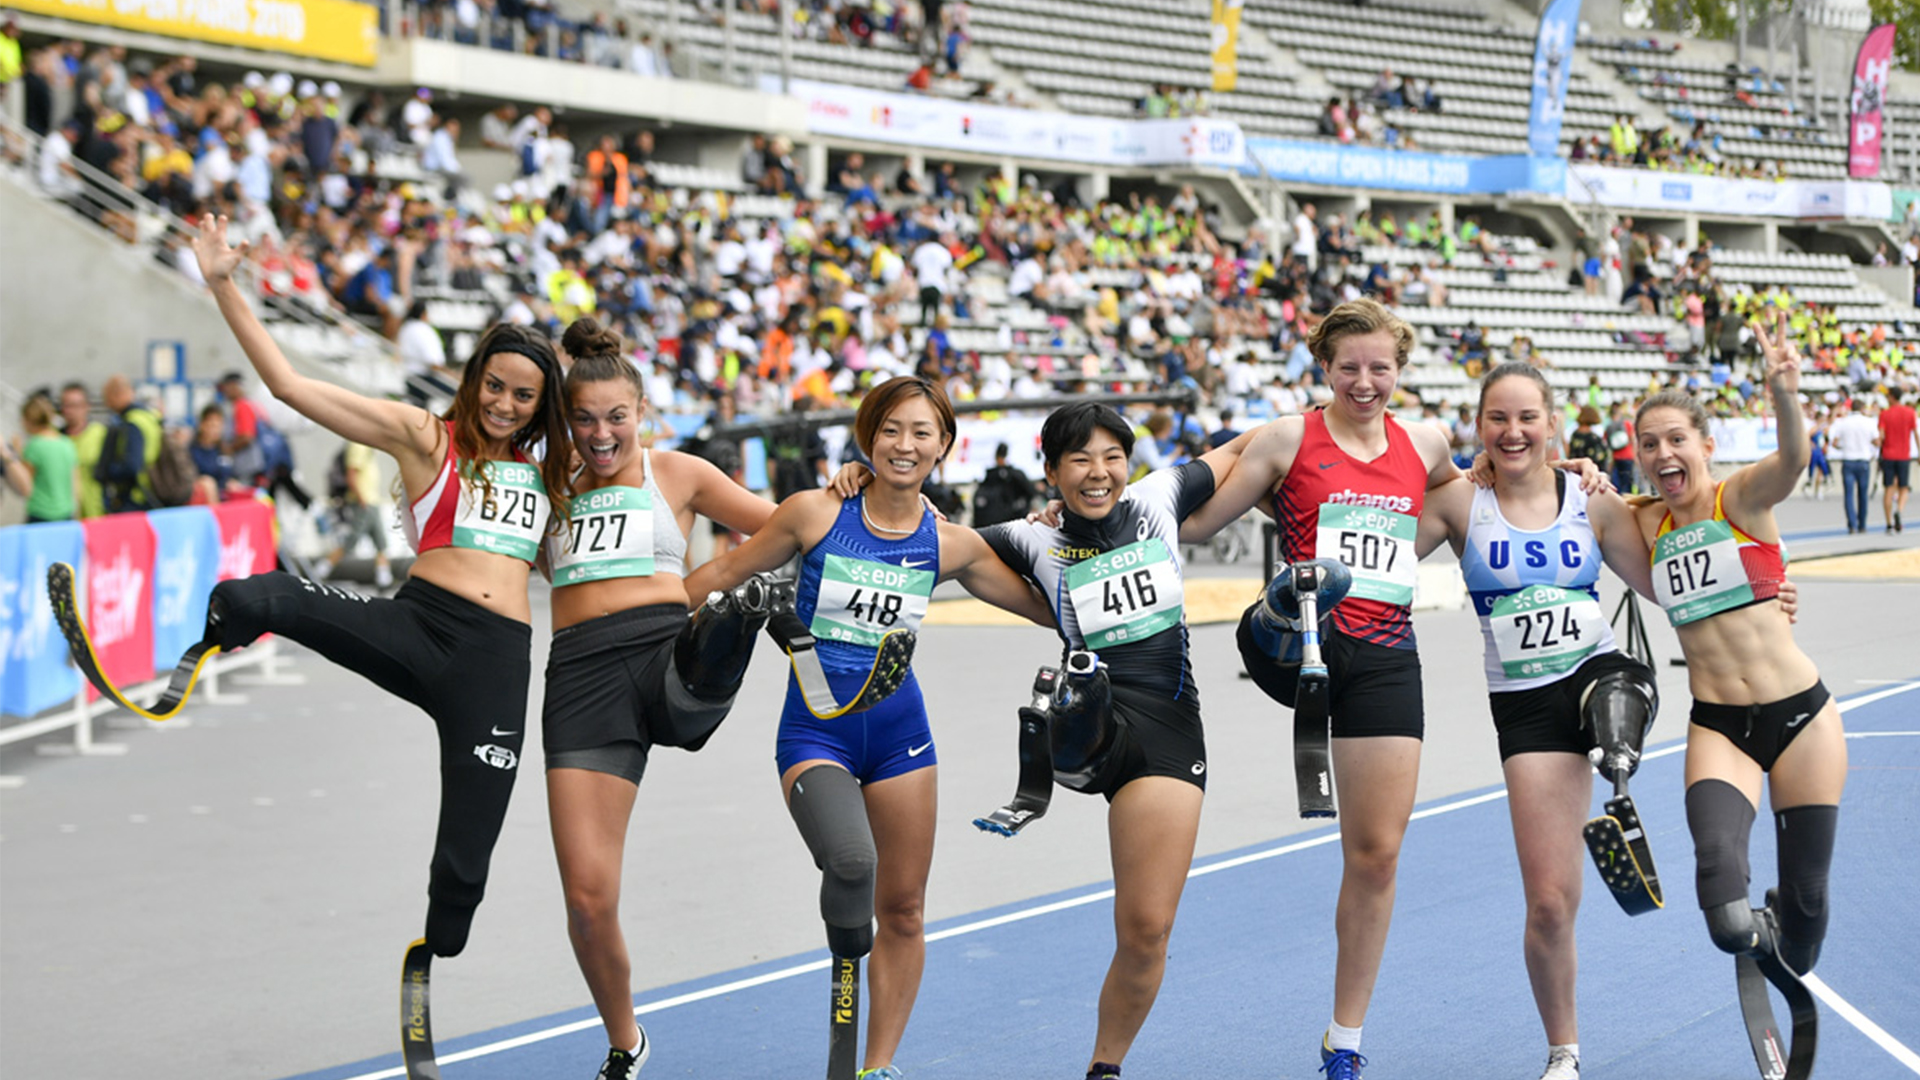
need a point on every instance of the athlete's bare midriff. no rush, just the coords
(495, 582)
(574, 604)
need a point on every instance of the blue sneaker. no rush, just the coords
(884, 1072)
(1340, 1064)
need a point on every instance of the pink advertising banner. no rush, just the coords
(1866, 118)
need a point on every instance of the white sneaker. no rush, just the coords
(1562, 1064)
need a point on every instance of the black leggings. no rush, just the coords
(466, 666)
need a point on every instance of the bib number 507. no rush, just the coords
(1368, 551)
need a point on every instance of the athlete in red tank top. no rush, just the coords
(1325, 475)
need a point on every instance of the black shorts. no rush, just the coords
(1547, 718)
(1895, 474)
(1156, 736)
(608, 700)
(1372, 690)
(1763, 732)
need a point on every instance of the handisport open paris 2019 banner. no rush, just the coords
(338, 30)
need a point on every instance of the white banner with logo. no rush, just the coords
(1648, 189)
(938, 123)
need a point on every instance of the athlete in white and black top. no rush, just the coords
(1111, 571)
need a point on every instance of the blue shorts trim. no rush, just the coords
(888, 740)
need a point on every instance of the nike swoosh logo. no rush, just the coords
(916, 751)
(1328, 464)
(911, 563)
(498, 733)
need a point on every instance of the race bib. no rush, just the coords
(609, 535)
(1127, 594)
(1697, 572)
(1377, 545)
(1545, 630)
(512, 521)
(861, 602)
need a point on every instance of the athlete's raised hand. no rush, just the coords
(217, 260)
(1782, 355)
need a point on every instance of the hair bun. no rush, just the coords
(585, 337)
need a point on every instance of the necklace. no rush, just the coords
(877, 527)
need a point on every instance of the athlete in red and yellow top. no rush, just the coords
(1347, 482)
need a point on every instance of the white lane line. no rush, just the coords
(1837, 1003)
(1858, 1019)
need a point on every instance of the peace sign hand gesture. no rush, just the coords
(1782, 355)
(217, 260)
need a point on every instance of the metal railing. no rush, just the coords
(141, 224)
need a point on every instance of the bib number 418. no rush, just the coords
(875, 606)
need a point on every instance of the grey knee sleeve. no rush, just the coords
(1721, 820)
(1805, 835)
(1619, 708)
(832, 816)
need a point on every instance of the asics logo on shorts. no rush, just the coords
(497, 756)
(1199, 767)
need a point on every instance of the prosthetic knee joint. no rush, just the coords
(832, 817)
(1619, 707)
(1082, 728)
(1320, 583)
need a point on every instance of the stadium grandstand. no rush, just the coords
(747, 191)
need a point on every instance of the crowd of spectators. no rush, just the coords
(1369, 120)
(803, 302)
(1696, 150)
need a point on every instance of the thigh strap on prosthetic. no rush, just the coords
(892, 663)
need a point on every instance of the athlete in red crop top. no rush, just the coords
(455, 640)
(1347, 483)
(1760, 713)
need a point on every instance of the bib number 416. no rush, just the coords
(1125, 593)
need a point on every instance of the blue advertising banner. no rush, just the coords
(35, 674)
(1552, 65)
(1403, 170)
(186, 563)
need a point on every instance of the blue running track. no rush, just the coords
(1012, 992)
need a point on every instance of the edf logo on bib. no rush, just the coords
(1534, 553)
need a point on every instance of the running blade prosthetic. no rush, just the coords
(1753, 970)
(1034, 792)
(1620, 851)
(416, 1017)
(66, 613)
